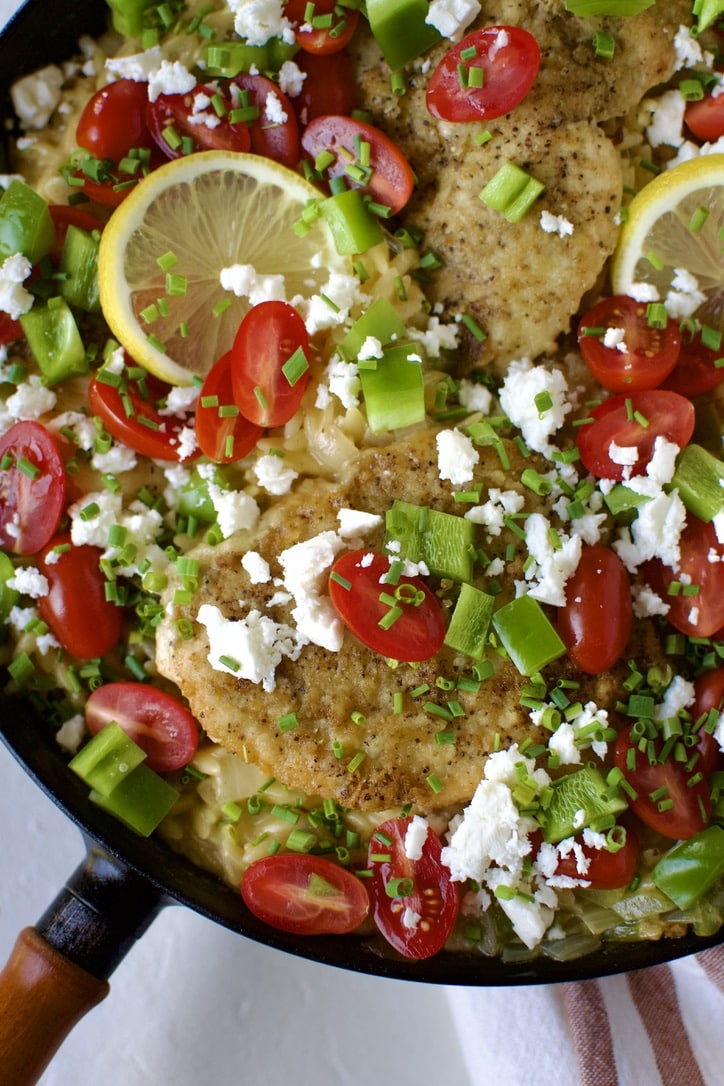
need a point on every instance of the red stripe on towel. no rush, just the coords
(591, 1033)
(654, 994)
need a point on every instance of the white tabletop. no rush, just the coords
(193, 1003)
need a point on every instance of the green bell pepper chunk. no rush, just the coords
(194, 499)
(141, 801)
(400, 29)
(527, 634)
(8, 596)
(79, 265)
(579, 800)
(691, 867)
(25, 223)
(354, 228)
(107, 759)
(128, 15)
(55, 341)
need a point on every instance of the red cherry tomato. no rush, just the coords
(669, 781)
(159, 437)
(706, 118)
(223, 437)
(607, 870)
(113, 121)
(696, 371)
(508, 58)
(618, 420)
(304, 894)
(156, 721)
(330, 86)
(76, 609)
(701, 564)
(709, 694)
(32, 488)
(644, 356)
(271, 137)
(110, 193)
(187, 116)
(322, 39)
(414, 903)
(419, 630)
(269, 334)
(391, 180)
(595, 622)
(10, 329)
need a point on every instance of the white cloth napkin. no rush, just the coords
(662, 1026)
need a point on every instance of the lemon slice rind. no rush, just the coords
(210, 210)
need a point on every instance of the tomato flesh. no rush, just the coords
(607, 869)
(76, 609)
(158, 437)
(418, 922)
(595, 622)
(329, 87)
(618, 420)
(418, 631)
(644, 356)
(322, 40)
(701, 564)
(271, 137)
(223, 437)
(391, 179)
(669, 782)
(509, 57)
(706, 118)
(113, 121)
(156, 721)
(696, 371)
(32, 488)
(305, 895)
(270, 333)
(175, 119)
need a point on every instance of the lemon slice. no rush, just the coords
(674, 223)
(198, 215)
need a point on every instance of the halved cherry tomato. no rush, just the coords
(330, 86)
(508, 59)
(222, 435)
(595, 622)
(322, 39)
(158, 437)
(701, 564)
(271, 137)
(644, 356)
(706, 118)
(32, 488)
(113, 121)
(109, 193)
(669, 782)
(607, 869)
(390, 179)
(708, 695)
(76, 609)
(696, 371)
(414, 902)
(417, 633)
(270, 333)
(619, 420)
(155, 720)
(10, 329)
(192, 116)
(304, 894)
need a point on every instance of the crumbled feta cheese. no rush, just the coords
(555, 224)
(71, 733)
(415, 837)
(305, 568)
(684, 296)
(371, 348)
(646, 603)
(29, 581)
(171, 78)
(625, 455)
(679, 694)
(259, 20)
(655, 532)
(615, 337)
(523, 383)
(30, 400)
(249, 648)
(291, 79)
(643, 292)
(456, 456)
(116, 461)
(688, 50)
(452, 17)
(475, 397)
(244, 281)
(667, 122)
(354, 522)
(553, 565)
(272, 473)
(36, 96)
(436, 338)
(235, 509)
(410, 919)
(274, 110)
(492, 514)
(257, 567)
(14, 298)
(344, 382)
(139, 67)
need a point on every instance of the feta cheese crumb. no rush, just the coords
(452, 17)
(14, 298)
(272, 473)
(29, 581)
(555, 224)
(523, 384)
(249, 648)
(257, 567)
(36, 96)
(171, 78)
(415, 837)
(456, 456)
(305, 568)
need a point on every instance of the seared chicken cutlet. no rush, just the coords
(520, 283)
(325, 688)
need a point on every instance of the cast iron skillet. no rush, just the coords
(59, 968)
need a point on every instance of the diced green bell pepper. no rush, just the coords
(55, 342)
(691, 867)
(400, 29)
(25, 223)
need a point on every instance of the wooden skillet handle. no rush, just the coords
(42, 996)
(59, 969)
